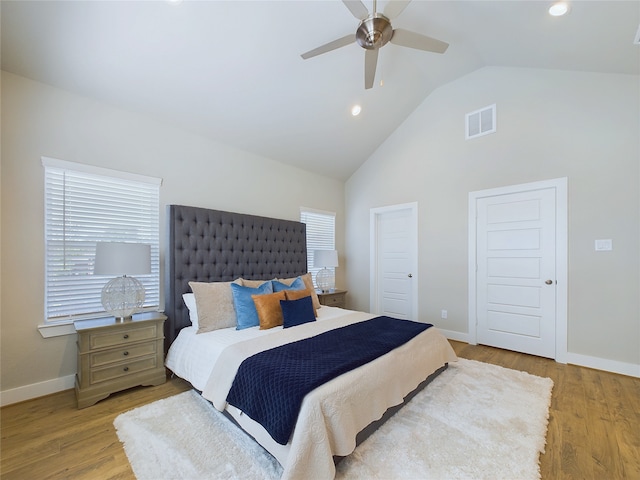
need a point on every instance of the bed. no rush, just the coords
(210, 250)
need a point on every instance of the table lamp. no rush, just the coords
(325, 278)
(124, 295)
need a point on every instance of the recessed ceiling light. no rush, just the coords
(355, 111)
(558, 9)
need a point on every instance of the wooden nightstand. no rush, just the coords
(116, 355)
(333, 298)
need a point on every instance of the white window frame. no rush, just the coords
(132, 214)
(321, 235)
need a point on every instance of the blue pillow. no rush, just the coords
(297, 284)
(297, 312)
(246, 313)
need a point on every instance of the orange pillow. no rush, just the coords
(308, 282)
(269, 310)
(298, 294)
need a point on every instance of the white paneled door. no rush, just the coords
(516, 271)
(393, 261)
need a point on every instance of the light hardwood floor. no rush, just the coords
(594, 426)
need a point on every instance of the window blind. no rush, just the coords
(85, 205)
(321, 234)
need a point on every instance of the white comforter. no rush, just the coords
(331, 415)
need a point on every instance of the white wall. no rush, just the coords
(551, 124)
(38, 120)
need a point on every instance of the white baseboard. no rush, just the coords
(613, 366)
(40, 389)
(458, 336)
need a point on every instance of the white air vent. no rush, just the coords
(481, 122)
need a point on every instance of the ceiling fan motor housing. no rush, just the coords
(374, 32)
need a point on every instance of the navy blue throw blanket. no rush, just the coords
(270, 385)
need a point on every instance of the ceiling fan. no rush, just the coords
(374, 32)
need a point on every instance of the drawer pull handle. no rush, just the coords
(126, 369)
(125, 353)
(126, 335)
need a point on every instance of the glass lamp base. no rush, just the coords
(122, 297)
(325, 280)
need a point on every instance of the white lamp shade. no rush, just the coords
(121, 258)
(325, 258)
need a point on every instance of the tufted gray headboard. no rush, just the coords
(214, 246)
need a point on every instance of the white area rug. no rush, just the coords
(474, 421)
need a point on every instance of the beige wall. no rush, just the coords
(38, 120)
(551, 124)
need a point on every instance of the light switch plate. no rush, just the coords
(605, 245)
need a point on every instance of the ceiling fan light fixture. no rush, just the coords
(559, 9)
(374, 32)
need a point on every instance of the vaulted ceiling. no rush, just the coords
(232, 71)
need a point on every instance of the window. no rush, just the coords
(321, 234)
(85, 205)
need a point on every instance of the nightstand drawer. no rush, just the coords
(334, 300)
(122, 336)
(122, 370)
(132, 352)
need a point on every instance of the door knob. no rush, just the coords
(549, 282)
(410, 275)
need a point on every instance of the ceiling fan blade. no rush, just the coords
(405, 38)
(370, 63)
(357, 8)
(395, 8)
(340, 42)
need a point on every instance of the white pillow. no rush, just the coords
(190, 302)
